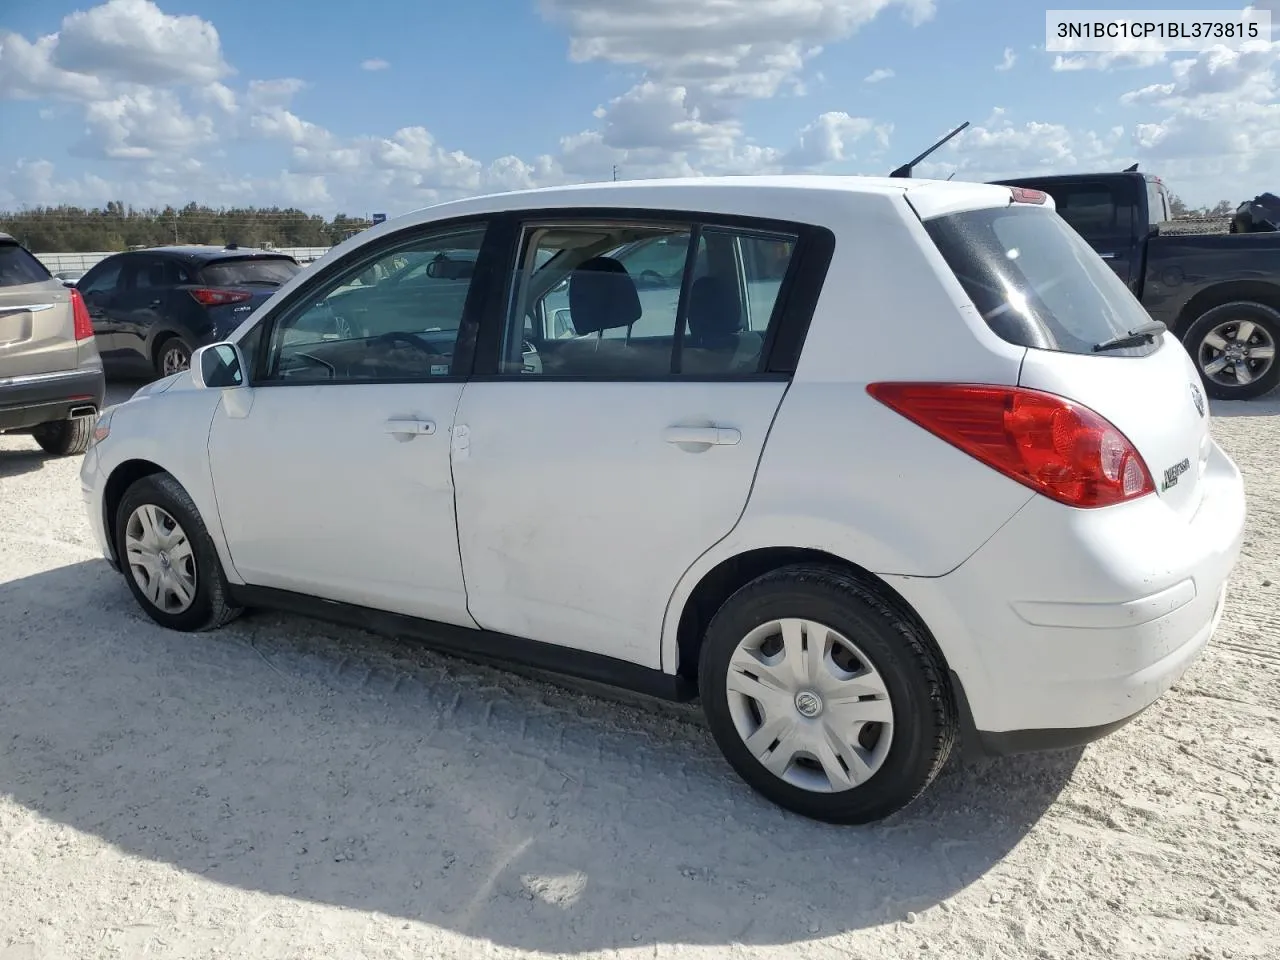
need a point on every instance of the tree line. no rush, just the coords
(68, 229)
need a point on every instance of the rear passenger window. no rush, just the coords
(642, 301)
(18, 267)
(1095, 212)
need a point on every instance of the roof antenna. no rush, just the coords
(906, 169)
(1133, 169)
(951, 174)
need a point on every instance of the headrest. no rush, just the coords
(602, 296)
(714, 312)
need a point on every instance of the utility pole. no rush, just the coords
(615, 173)
(175, 228)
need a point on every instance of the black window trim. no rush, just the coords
(473, 309)
(793, 310)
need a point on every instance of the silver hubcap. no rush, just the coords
(1237, 353)
(160, 559)
(174, 360)
(809, 705)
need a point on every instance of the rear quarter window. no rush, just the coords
(18, 267)
(1035, 281)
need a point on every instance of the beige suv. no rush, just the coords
(51, 382)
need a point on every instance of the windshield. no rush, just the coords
(1036, 282)
(272, 271)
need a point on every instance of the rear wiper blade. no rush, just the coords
(1134, 338)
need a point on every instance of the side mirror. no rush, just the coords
(218, 366)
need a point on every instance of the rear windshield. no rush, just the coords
(1036, 282)
(18, 267)
(273, 272)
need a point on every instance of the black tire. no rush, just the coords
(1226, 316)
(65, 438)
(211, 607)
(168, 345)
(924, 712)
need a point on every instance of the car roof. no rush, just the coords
(206, 253)
(777, 196)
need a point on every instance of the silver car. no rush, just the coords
(51, 382)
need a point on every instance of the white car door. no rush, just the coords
(589, 475)
(334, 479)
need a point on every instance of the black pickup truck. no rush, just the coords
(1219, 292)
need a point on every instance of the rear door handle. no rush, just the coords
(1107, 256)
(705, 436)
(407, 427)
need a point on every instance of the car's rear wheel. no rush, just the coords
(168, 558)
(65, 438)
(1234, 346)
(825, 696)
(173, 356)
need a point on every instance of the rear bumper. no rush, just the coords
(1067, 623)
(29, 401)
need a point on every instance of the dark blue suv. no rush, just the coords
(151, 308)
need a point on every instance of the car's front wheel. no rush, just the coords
(825, 696)
(168, 558)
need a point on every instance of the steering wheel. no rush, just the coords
(653, 278)
(409, 339)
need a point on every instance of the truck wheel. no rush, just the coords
(65, 438)
(824, 697)
(1234, 347)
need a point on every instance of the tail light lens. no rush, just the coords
(1058, 448)
(213, 297)
(81, 322)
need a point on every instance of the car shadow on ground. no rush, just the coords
(289, 757)
(15, 462)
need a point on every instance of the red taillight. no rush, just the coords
(1027, 195)
(80, 316)
(1058, 448)
(211, 297)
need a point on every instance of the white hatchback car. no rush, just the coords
(867, 465)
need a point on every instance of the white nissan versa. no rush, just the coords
(865, 464)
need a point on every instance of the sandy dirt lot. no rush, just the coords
(288, 789)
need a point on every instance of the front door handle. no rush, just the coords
(407, 428)
(1107, 256)
(704, 436)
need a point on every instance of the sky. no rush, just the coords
(385, 106)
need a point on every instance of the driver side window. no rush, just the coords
(391, 316)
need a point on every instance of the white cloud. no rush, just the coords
(999, 147)
(134, 41)
(274, 93)
(219, 96)
(376, 63)
(143, 125)
(830, 139)
(158, 96)
(1008, 60)
(878, 76)
(723, 51)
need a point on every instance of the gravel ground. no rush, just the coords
(288, 789)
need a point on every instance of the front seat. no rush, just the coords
(602, 296)
(718, 341)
